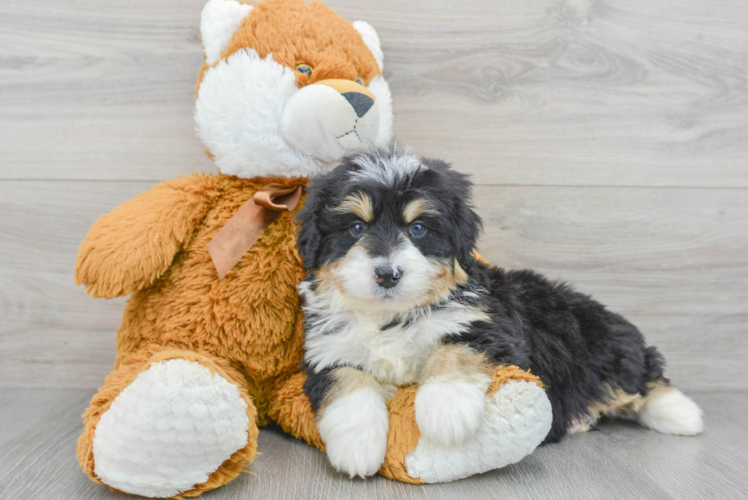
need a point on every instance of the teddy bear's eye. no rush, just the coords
(304, 68)
(359, 81)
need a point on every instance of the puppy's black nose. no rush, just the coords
(361, 103)
(387, 276)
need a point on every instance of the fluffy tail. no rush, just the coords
(669, 411)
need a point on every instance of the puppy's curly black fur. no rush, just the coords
(592, 361)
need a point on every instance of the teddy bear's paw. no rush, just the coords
(516, 419)
(448, 412)
(354, 429)
(169, 430)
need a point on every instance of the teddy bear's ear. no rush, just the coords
(371, 39)
(219, 20)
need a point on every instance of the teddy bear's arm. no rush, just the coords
(135, 243)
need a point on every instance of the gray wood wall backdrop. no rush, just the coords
(608, 139)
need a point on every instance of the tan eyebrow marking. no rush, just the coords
(359, 204)
(416, 208)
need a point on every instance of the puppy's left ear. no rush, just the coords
(468, 230)
(467, 223)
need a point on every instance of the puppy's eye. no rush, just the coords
(417, 230)
(358, 228)
(359, 81)
(304, 68)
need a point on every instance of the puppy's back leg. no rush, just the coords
(667, 410)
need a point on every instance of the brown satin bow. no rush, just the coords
(248, 224)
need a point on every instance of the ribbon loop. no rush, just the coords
(249, 223)
(278, 198)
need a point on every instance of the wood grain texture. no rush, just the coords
(52, 334)
(673, 261)
(99, 90)
(38, 430)
(553, 92)
(609, 140)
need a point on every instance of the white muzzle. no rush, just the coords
(330, 119)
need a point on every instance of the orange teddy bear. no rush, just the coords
(210, 345)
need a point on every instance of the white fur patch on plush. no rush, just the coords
(449, 411)
(318, 121)
(240, 106)
(238, 113)
(354, 428)
(672, 412)
(166, 432)
(218, 21)
(517, 418)
(371, 39)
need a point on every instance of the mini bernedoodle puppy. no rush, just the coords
(395, 297)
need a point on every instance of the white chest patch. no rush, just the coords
(396, 354)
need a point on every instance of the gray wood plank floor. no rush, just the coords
(39, 428)
(609, 143)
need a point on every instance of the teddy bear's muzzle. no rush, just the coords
(331, 119)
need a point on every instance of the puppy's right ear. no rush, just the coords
(310, 237)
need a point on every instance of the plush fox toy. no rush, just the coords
(210, 345)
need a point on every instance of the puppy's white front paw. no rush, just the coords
(448, 412)
(354, 429)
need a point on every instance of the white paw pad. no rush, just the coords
(516, 419)
(354, 429)
(166, 432)
(449, 412)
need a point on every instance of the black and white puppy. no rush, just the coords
(395, 296)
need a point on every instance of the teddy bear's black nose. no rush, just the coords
(361, 103)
